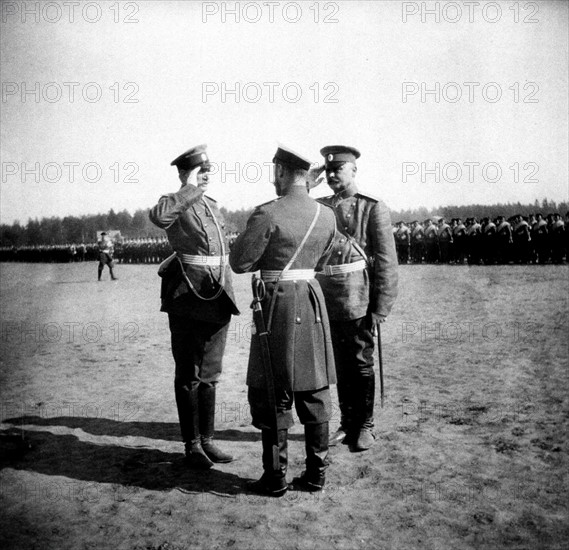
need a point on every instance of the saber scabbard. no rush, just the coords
(258, 287)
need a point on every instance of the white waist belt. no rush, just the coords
(343, 268)
(202, 260)
(271, 276)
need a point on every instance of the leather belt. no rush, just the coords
(271, 276)
(330, 270)
(202, 260)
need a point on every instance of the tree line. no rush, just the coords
(83, 229)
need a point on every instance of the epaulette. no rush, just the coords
(268, 202)
(368, 196)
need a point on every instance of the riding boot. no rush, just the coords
(207, 422)
(112, 274)
(273, 482)
(364, 416)
(316, 441)
(188, 413)
(100, 271)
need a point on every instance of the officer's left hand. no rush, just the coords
(376, 319)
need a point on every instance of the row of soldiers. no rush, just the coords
(127, 251)
(50, 253)
(518, 239)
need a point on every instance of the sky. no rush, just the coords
(449, 103)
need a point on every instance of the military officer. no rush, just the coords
(284, 239)
(198, 296)
(106, 249)
(360, 286)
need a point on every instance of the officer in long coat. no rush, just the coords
(360, 286)
(293, 228)
(197, 295)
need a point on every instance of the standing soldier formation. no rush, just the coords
(198, 296)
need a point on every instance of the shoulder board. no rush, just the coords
(368, 196)
(268, 203)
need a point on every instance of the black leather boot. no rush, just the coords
(207, 422)
(188, 413)
(99, 272)
(316, 440)
(113, 278)
(345, 398)
(273, 482)
(364, 417)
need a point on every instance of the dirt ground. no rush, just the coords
(472, 440)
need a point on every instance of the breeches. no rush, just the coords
(312, 407)
(197, 347)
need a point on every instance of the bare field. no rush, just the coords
(472, 441)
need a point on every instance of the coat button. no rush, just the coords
(298, 319)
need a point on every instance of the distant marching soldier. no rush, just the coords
(417, 242)
(488, 241)
(105, 246)
(557, 239)
(197, 294)
(431, 246)
(444, 237)
(285, 239)
(459, 239)
(473, 235)
(504, 240)
(522, 240)
(402, 242)
(359, 294)
(539, 234)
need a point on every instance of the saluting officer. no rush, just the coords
(197, 295)
(360, 286)
(285, 239)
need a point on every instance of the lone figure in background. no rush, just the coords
(106, 248)
(198, 296)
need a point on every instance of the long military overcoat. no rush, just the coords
(300, 342)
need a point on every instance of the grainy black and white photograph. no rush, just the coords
(284, 275)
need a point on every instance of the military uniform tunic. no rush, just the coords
(366, 221)
(189, 218)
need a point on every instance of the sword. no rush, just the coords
(380, 354)
(258, 287)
